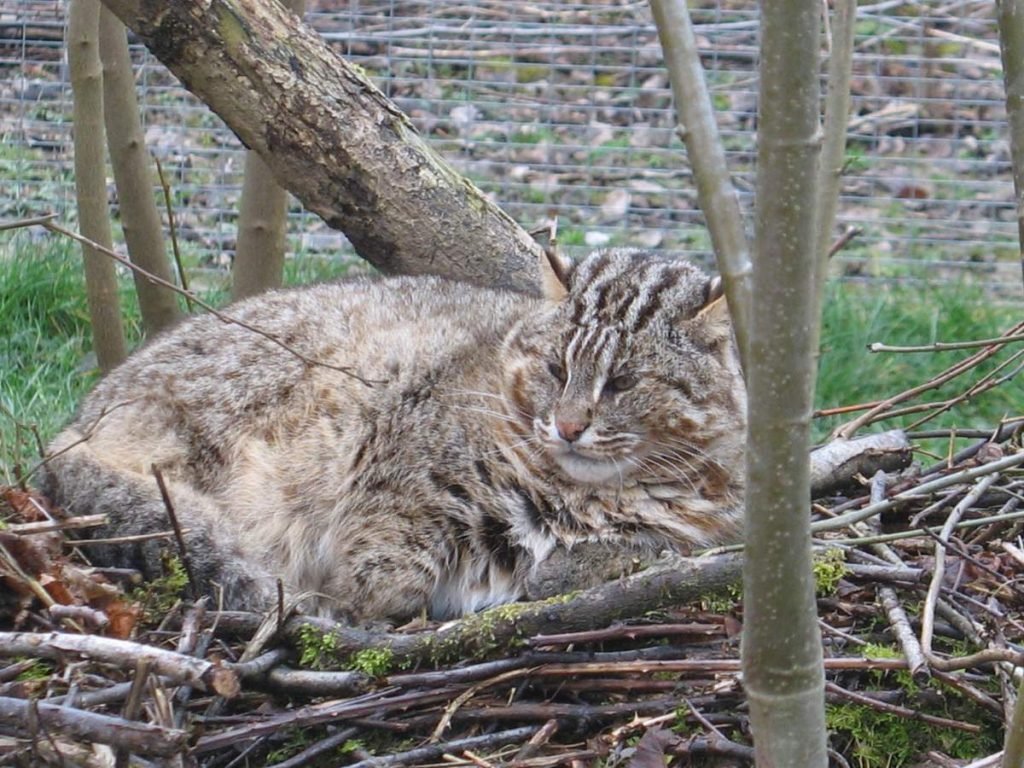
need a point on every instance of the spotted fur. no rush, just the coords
(497, 428)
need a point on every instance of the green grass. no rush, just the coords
(45, 356)
(46, 364)
(855, 316)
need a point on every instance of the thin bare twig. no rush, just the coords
(173, 231)
(47, 223)
(141, 738)
(186, 561)
(928, 611)
(957, 369)
(942, 346)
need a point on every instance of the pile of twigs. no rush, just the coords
(919, 599)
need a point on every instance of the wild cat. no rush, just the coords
(486, 428)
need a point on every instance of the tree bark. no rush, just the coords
(671, 580)
(334, 140)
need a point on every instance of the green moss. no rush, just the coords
(375, 662)
(873, 738)
(481, 628)
(231, 28)
(161, 594)
(722, 602)
(829, 569)
(317, 650)
(532, 73)
(877, 739)
(39, 670)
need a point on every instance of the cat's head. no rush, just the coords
(628, 372)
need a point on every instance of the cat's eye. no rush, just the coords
(556, 370)
(620, 383)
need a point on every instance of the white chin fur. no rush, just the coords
(591, 471)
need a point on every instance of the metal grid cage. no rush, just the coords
(564, 109)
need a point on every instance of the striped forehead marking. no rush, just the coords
(629, 303)
(596, 343)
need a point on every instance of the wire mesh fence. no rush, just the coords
(563, 109)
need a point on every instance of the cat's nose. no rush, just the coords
(570, 429)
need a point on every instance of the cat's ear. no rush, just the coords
(554, 275)
(713, 318)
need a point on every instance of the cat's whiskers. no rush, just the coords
(691, 451)
(665, 471)
(677, 458)
(523, 442)
(461, 393)
(486, 412)
(475, 392)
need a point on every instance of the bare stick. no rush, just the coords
(431, 753)
(132, 705)
(844, 240)
(837, 463)
(172, 228)
(48, 526)
(186, 562)
(122, 539)
(984, 384)
(922, 490)
(897, 617)
(627, 632)
(311, 683)
(950, 373)
(538, 740)
(141, 738)
(205, 675)
(942, 346)
(671, 580)
(928, 617)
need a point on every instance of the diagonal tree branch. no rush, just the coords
(704, 149)
(334, 140)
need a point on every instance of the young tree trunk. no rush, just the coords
(262, 222)
(334, 140)
(133, 177)
(90, 180)
(783, 670)
(1011, 46)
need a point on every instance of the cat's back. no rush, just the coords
(345, 335)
